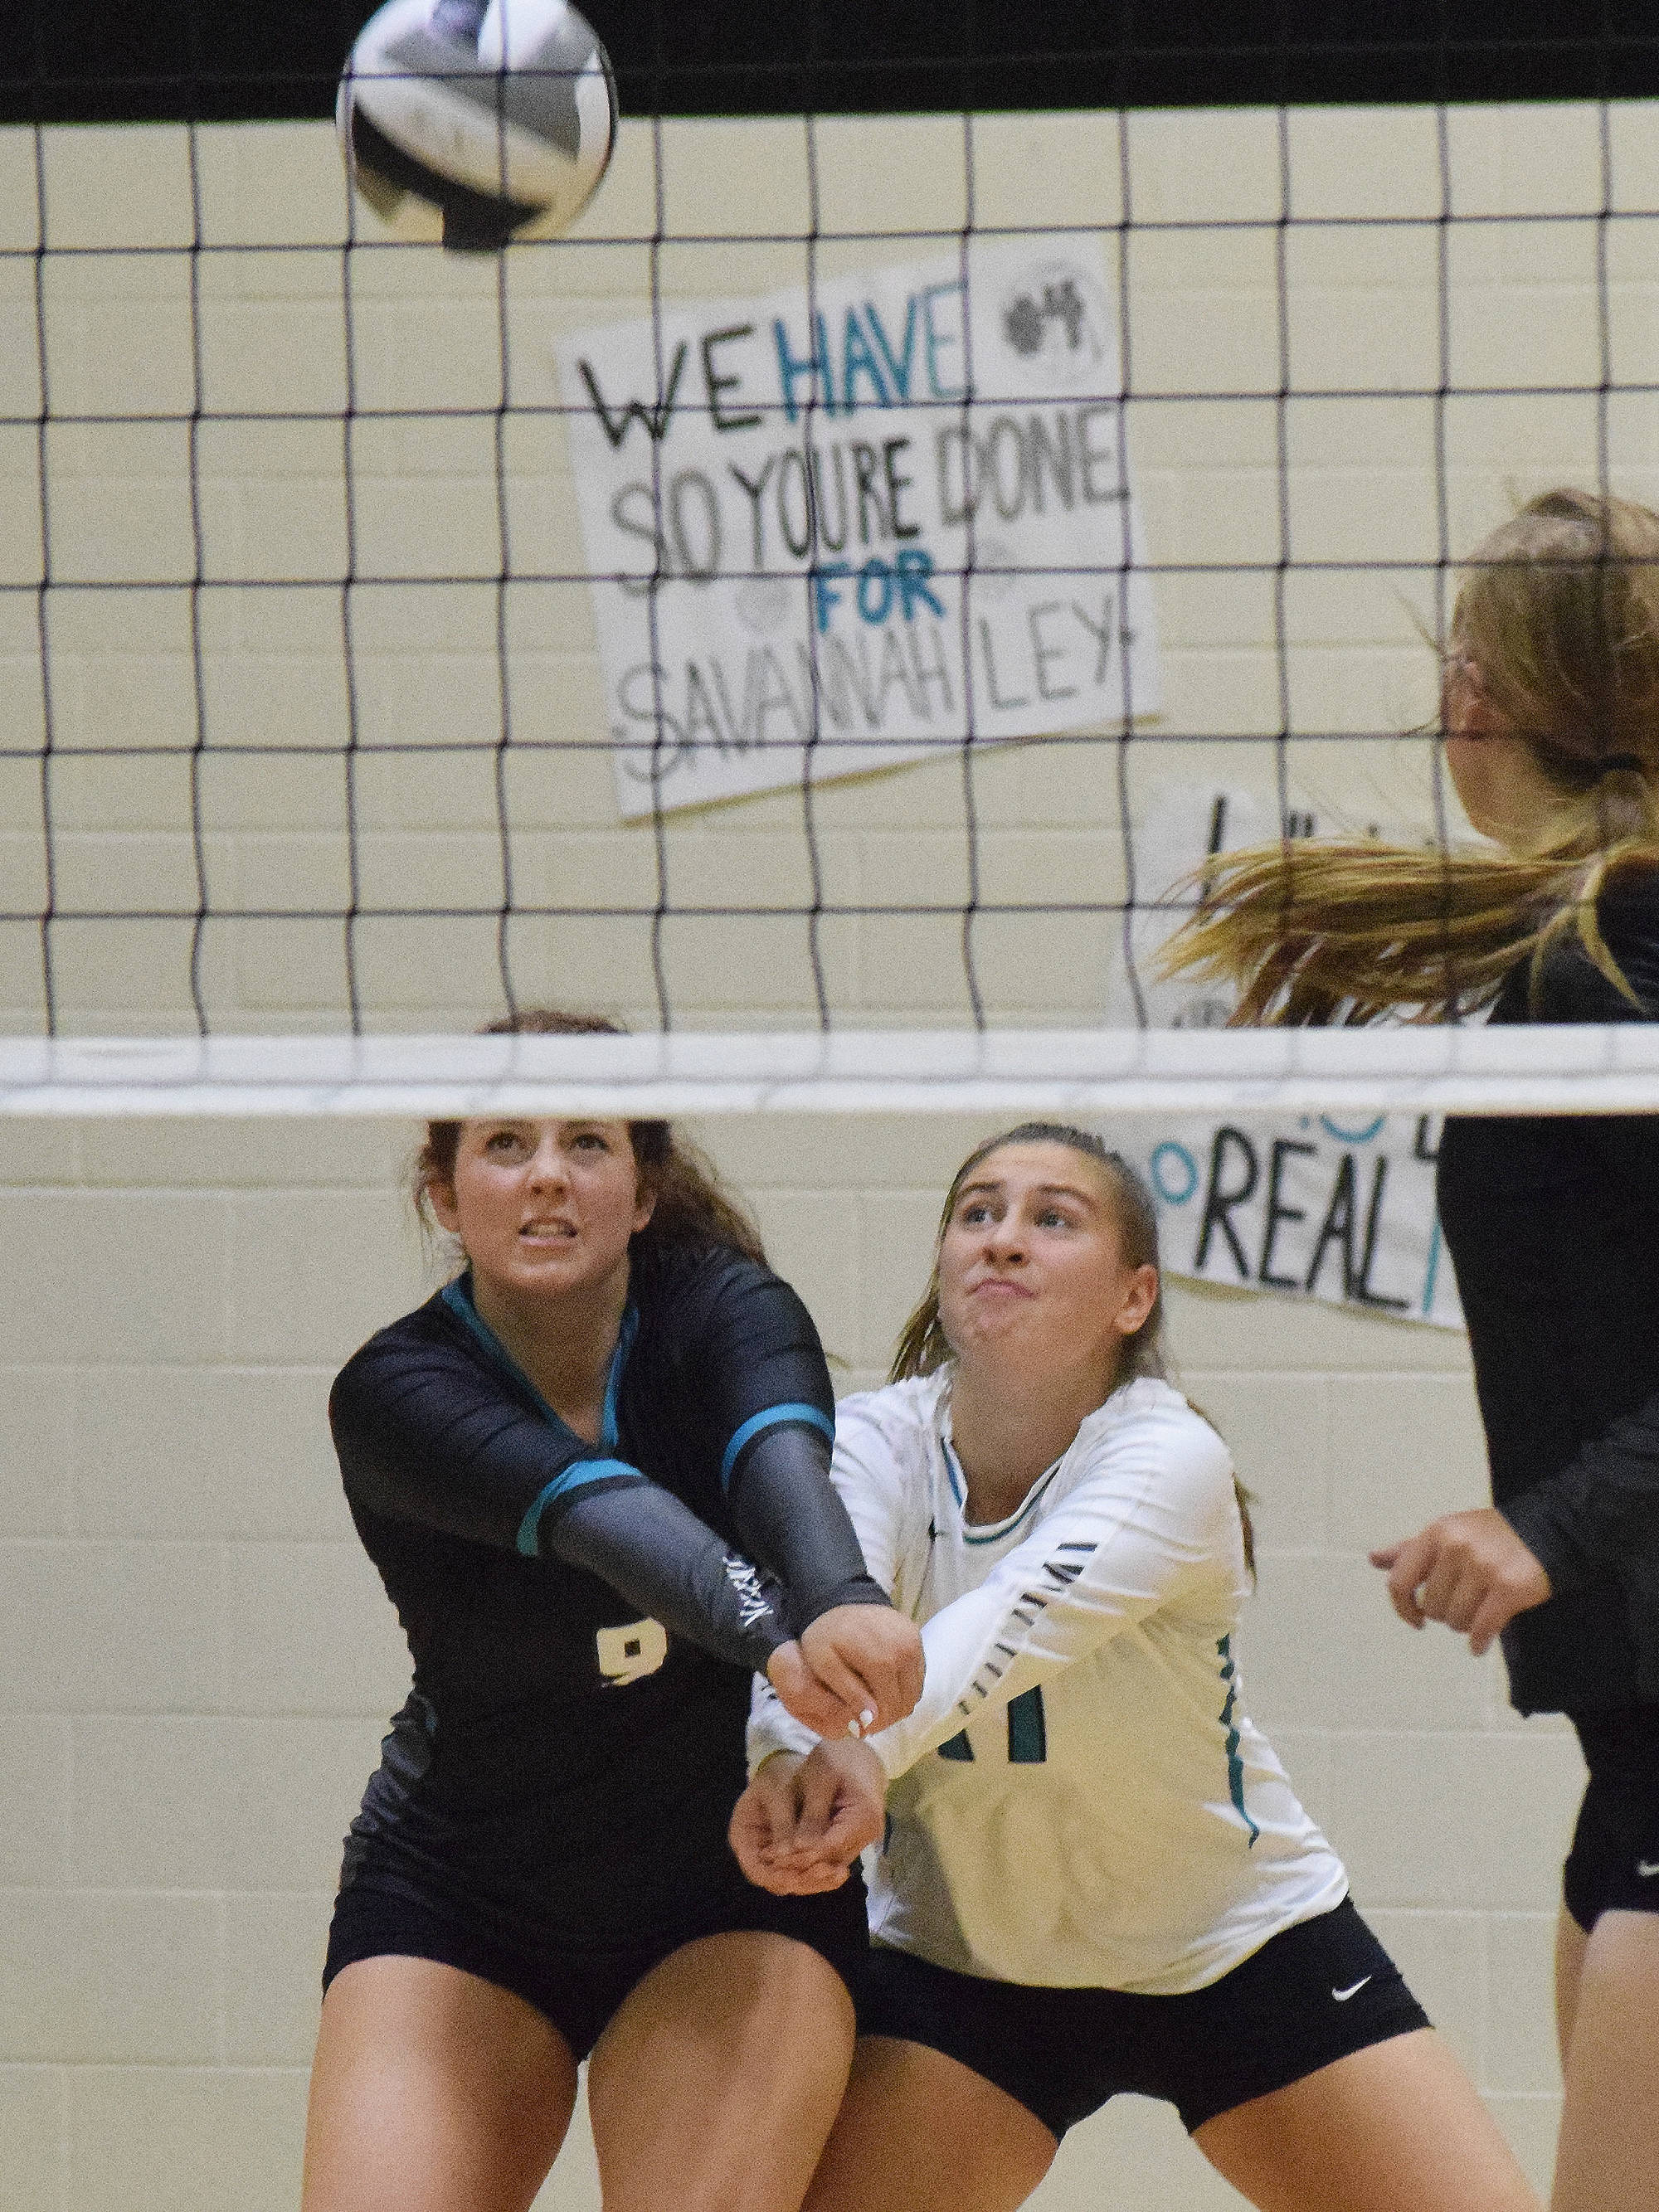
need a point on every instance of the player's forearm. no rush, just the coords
(1011, 1633)
(653, 1551)
(787, 1512)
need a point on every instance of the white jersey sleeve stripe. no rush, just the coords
(1139, 1523)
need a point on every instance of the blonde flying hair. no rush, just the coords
(1556, 623)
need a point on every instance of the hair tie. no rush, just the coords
(1618, 764)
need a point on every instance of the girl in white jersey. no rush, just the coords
(1095, 1875)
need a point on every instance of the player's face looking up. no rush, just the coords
(544, 1210)
(1032, 1272)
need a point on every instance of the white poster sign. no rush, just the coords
(1319, 1206)
(831, 533)
(1335, 1207)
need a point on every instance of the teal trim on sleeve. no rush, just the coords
(813, 1416)
(574, 1478)
(1235, 1764)
(1028, 1730)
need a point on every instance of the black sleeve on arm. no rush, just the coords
(775, 1413)
(424, 1436)
(654, 1550)
(1600, 1513)
(787, 1513)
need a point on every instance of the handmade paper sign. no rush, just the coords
(828, 532)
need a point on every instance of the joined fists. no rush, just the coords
(856, 1669)
(799, 1825)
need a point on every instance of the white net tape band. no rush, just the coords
(1513, 1070)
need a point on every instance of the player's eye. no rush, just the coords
(502, 1142)
(1053, 1217)
(976, 1212)
(590, 1140)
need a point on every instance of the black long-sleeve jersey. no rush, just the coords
(1553, 1224)
(584, 1617)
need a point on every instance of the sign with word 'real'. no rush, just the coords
(1340, 1207)
(830, 529)
(1318, 1205)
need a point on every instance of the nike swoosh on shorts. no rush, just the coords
(1342, 1996)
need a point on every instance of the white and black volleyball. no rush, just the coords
(475, 121)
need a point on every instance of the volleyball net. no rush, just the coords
(818, 611)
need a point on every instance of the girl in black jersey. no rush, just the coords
(1550, 715)
(593, 1474)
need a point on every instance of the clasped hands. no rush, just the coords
(799, 1825)
(1468, 1570)
(856, 1669)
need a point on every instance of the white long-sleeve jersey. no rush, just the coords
(1078, 1800)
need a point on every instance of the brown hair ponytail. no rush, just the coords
(692, 1206)
(1558, 620)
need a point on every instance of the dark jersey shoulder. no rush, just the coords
(1570, 986)
(723, 1345)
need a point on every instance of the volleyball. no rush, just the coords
(475, 121)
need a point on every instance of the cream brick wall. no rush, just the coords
(196, 1662)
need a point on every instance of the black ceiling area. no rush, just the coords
(232, 60)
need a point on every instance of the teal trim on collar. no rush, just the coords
(1002, 1529)
(958, 1487)
(458, 1297)
(810, 1416)
(625, 1335)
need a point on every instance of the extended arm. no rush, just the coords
(1120, 1547)
(771, 1387)
(1154, 1510)
(786, 1512)
(423, 1436)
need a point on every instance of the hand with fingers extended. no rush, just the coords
(1468, 1570)
(870, 1657)
(799, 1825)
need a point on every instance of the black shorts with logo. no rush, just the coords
(1613, 1864)
(1315, 1993)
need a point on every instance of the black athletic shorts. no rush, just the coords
(580, 1989)
(1613, 1864)
(1317, 1992)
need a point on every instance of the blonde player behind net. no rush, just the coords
(1096, 1877)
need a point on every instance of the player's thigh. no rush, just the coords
(432, 2090)
(715, 2084)
(920, 2132)
(1608, 2150)
(1397, 2123)
(1571, 1944)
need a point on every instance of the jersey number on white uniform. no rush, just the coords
(1028, 1733)
(629, 1653)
